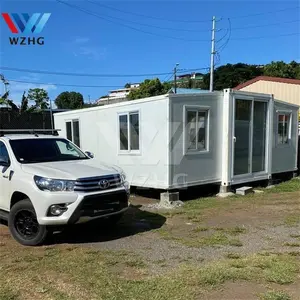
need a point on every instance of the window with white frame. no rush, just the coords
(129, 132)
(196, 130)
(283, 128)
(72, 129)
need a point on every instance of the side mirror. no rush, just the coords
(89, 154)
(4, 162)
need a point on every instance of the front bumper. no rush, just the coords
(83, 206)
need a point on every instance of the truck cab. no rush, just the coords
(47, 181)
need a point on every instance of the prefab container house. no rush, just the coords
(180, 140)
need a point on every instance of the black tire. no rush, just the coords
(23, 225)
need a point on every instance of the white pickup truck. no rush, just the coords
(47, 181)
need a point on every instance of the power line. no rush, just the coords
(188, 30)
(264, 25)
(150, 25)
(264, 37)
(60, 84)
(265, 13)
(128, 26)
(87, 74)
(150, 17)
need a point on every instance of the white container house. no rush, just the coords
(180, 140)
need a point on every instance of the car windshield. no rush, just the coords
(40, 150)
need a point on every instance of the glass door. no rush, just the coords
(242, 129)
(259, 136)
(250, 127)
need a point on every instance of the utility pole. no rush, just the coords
(212, 56)
(51, 117)
(175, 78)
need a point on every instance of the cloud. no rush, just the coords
(81, 46)
(16, 89)
(94, 53)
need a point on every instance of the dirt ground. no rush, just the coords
(233, 233)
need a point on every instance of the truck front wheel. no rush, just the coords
(23, 224)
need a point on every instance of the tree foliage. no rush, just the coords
(282, 69)
(149, 88)
(229, 76)
(69, 100)
(40, 97)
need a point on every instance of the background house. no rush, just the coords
(284, 89)
(118, 95)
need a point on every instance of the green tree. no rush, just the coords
(149, 88)
(69, 100)
(231, 75)
(282, 69)
(4, 100)
(24, 103)
(40, 97)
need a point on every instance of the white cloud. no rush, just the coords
(94, 53)
(81, 46)
(16, 89)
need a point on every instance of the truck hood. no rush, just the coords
(71, 170)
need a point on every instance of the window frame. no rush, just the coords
(289, 129)
(201, 109)
(72, 130)
(9, 160)
(129, 151)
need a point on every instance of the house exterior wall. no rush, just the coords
(99, 133)
(188, 169)
(282, 91)
(284, 157)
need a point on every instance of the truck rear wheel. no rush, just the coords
(23, 224)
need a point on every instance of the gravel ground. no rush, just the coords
(140, 238)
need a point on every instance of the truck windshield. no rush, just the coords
(38, 150)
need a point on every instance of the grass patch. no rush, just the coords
(291, 244)
(292, 220)
(7, 293)
(280, 269)
(213, 240)
(292, 185)
(233, 255)
(232, 231)
(200, 229)
(275, 295)
(235, 243)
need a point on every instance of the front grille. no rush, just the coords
(100, 183)
(102, 204)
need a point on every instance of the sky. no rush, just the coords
(142, 37)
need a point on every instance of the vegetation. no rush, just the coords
(231, 75)
(275, 295)
(69, 100)
(150, 88)
(39, 96)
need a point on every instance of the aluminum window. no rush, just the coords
(196, 130)
(72, 129)
(283, 128)
(129, 132)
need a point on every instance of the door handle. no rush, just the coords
(234, 139)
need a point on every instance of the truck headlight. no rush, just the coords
(54, 185)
